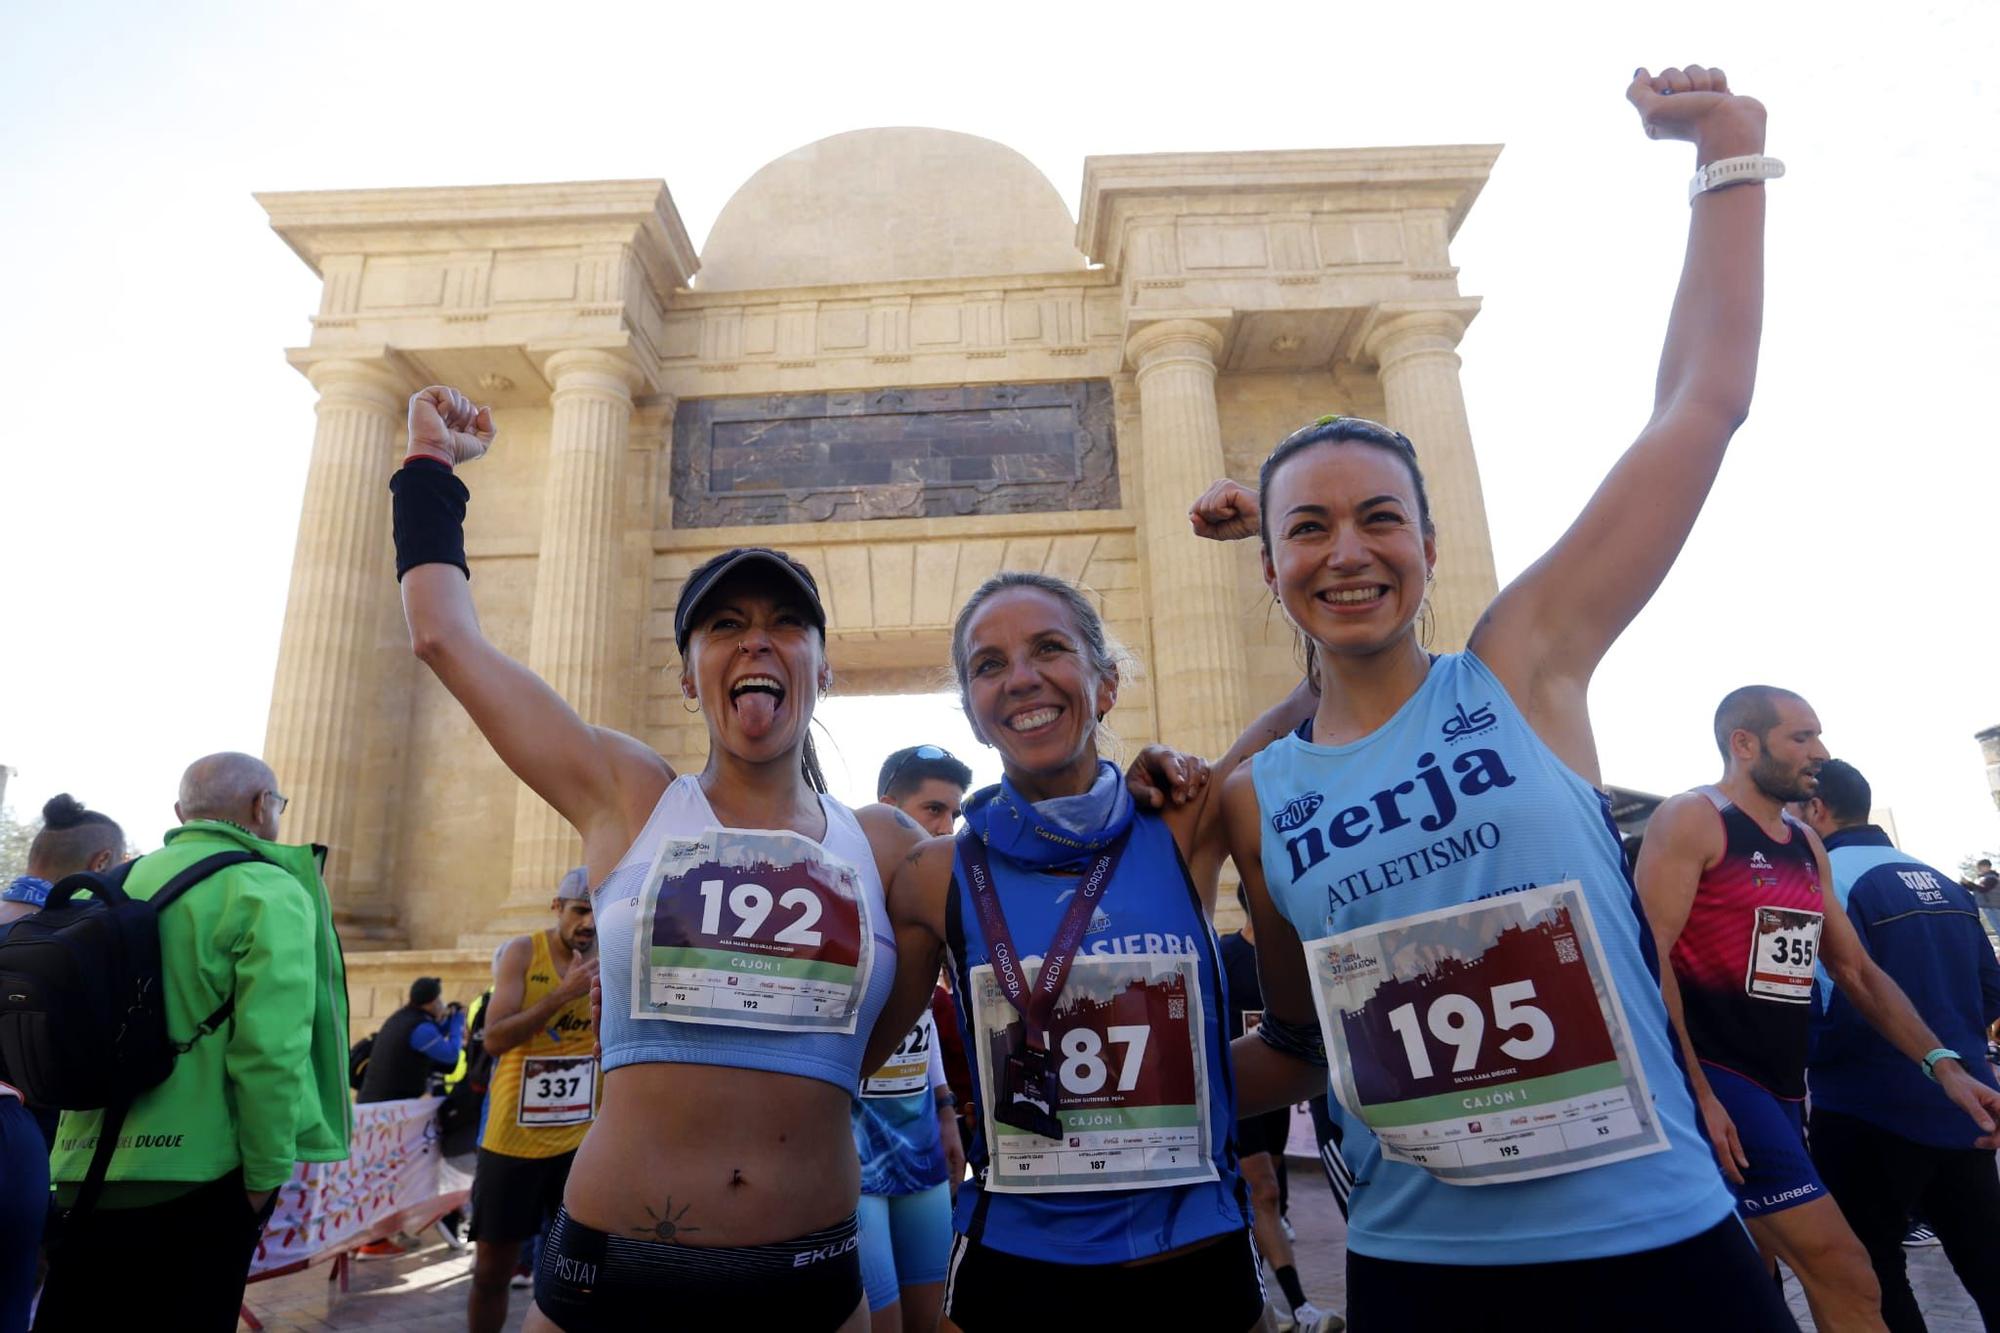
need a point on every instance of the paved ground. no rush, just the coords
(425, 1293)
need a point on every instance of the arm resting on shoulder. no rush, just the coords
(1265, 1078)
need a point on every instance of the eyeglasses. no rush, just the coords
(280, 801)
(924, 752)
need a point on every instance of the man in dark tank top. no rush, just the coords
(1740, 899)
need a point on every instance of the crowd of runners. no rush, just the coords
(978, 1061)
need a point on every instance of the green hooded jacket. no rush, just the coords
(269, 1087)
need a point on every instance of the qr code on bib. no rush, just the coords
(1566, 949)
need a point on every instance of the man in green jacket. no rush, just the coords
(201, 1155)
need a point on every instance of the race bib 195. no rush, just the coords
(557, 1090)
(753, 928)
(1127, 1048)
(1485, 1042)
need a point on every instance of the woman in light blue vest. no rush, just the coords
(1526, 1151)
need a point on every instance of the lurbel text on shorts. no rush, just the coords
(819, 1252)
(1783, 1196)
(1432, 806)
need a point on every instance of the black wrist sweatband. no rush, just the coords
(1300, 1041)
(429, 514)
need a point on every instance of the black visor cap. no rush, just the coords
(789, 573)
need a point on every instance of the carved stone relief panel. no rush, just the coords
(895, 453)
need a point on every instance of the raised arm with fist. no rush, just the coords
(1694, 103)
(448, 426)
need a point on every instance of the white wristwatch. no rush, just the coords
(1734, 171)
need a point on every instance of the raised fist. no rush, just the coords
(1695, 104)
(1226, 512)
(445, 425)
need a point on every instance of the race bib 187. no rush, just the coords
(1485, 1042)
(752, 928)
(1127, 1046)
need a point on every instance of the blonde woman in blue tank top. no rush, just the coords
(1434, 878)
(745, 942)
(1105, 1190)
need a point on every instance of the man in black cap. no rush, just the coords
(420, 1039)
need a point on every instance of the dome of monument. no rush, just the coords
(887, 204)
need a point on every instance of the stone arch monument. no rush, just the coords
(897, 357)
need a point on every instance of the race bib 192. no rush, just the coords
(557, 1090)
(1784, 942)
(752, 928)
(1127, 1047)
(1485, 1042)
(909, 1069)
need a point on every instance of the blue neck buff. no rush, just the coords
(1044, 835)
(28, 889)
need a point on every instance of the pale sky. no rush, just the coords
(156, 441)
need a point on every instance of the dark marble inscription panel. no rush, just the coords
(894, 453)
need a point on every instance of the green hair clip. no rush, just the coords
(1328, 419)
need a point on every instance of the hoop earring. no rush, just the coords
(690, 706)
(1426, 625)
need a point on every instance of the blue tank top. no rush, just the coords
(1139, 1047)
(1482, 1039)
(896, 1119)
(731, 965)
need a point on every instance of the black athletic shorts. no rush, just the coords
(589, 1281)
(513, 1196)
(1215, 1288)
(1710, 1281)
(1264, 1133)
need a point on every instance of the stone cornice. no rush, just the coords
(318, 224)
(1116, 185)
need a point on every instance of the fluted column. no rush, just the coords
(576, 582)
(1197, 666)
(1416, 350)
(343, 576)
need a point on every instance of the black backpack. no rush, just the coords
(83, 1022)
(357, 1061)
(458, 1117)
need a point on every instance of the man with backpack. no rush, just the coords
(255, 1001)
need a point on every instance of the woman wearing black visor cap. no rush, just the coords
(745, 944)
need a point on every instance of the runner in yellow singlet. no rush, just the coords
(542, 1096)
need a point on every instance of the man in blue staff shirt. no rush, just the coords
(1885, 1140)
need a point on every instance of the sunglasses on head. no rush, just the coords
(1358, 428)
(924, 752)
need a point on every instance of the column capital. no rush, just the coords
(1394, 330)
(604, 371)
(1151, 345)
(380, 383)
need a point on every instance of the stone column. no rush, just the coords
(343, 584)
(1197, 666)
(1416, 351)
(569, 637)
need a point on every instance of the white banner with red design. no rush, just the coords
(392, 1167)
